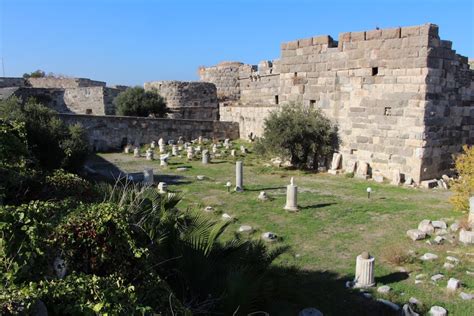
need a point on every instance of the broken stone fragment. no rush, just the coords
(416, 234)
(426, 226)
(428, 256)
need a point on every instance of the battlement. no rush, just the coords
(63, 83)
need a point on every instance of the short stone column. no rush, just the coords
(214, 149)
(291, 196)
(136, 152)
(148, 176)
(190, 153)
(162, 187)
(149, 154)
(239, 176)
(126, 150)
(153, 145)
(205, 157)
(162, 149)
(174, 150)
(471, 211)
(364, 275)
(164, 160)
(232, 152)
(437, 311)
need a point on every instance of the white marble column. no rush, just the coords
(291, 196)
(205, 157)
(239, 176)
(365, 271)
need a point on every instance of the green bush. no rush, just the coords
(61, 185)
(138, 102)
(463, 186)
(53, 144)
(16, 171)
(303, 135)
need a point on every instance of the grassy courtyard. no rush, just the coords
(336, 222)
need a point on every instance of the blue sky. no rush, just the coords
(134, 41)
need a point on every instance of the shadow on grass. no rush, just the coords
(264, 188)
(324, 290)
(103, 170)
(320, 205)
(392, 278)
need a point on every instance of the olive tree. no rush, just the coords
(303, 135)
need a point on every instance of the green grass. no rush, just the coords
(335, 223)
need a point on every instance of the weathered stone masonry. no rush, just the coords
(402, 98)
(114, 132)
(188, 100)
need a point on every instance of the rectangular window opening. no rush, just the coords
(276, 99)
(296, 74)
(387, 111)
(312, 103)
(375, 71)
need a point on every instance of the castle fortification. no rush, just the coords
(402, 98)
(188, 100)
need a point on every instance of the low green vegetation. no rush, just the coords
(138, 102)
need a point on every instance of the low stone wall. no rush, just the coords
(113, 132)
(63, 83)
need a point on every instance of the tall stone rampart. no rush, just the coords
(402, 98)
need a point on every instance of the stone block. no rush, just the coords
(357, 36)
(391, 33)
(410, 31)
(373, 34)
(305, 42)
(325, 39)
(344, 37)
(416, 234)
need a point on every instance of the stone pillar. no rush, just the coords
(190, 153)
(162, 187)
(232, 152)
(214, 148)
(126, 149)
(205, 157)
(336, 162)
(364, 275)
(149, 154)
(239, 176)
(164, 160)
(162, 149)
(153, 145)
(136, 152)
(471, 211)
(291, 196)
(148, 176)
(437, 311)
(174, 150)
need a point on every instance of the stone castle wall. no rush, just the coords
(188, 100)
(63, 83)
(95, 100)
(402, 98)
(226, 78)
(113, 132)
(7, 82)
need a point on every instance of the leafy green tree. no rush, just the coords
(303, 135)
(53, 144)
(138, 102)
(35, 74)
